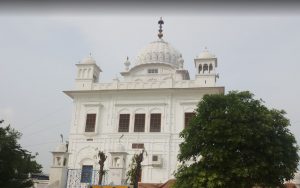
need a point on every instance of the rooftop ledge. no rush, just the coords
(149, 85)
(70, 93)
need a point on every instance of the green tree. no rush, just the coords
(15, 163)
(236, 141)
(134, 173)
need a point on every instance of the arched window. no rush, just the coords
(199, 68)
(95, 79)
(155, 122)
(210, 67)
(205, 68)
(117, 162)
(188, 117)
(90, 122)
(139, 120)
(124, 120)
(58, 161)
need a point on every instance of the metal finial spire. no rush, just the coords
(127, 64)
(160, 22)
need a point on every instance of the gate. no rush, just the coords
(83, 178)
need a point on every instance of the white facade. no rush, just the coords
(157, 83)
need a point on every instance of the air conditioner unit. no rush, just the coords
(156, 160)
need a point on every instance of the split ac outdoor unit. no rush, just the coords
(156, 160)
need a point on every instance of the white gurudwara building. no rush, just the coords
(147, 108)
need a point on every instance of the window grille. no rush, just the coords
(139, 123)
(137, 146)
(124, 122)
(90, 123)
(152, 71)
(155, 122)
(187, 118)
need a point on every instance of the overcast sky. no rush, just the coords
(256, 51)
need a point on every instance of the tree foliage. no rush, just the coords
(102, 158)
(135, 168)
(15, 163)
(236, 141)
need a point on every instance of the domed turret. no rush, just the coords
(205, 54)
(206, 64)
(61, 148)
(117, 167)
(58, 171)
(88, 73)
(88, 60)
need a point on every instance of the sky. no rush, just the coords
(257, 50)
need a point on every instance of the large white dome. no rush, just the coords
(159, 51)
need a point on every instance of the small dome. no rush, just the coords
(206, 55)
(88, 60)
(158, 52)
(61, 148)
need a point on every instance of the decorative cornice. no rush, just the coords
(189, 103)
(141, 104)
(93, 104)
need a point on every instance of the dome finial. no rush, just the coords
(160, 22)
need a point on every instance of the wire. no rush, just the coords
(39, 144)
(42, 118)
(41, 130)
